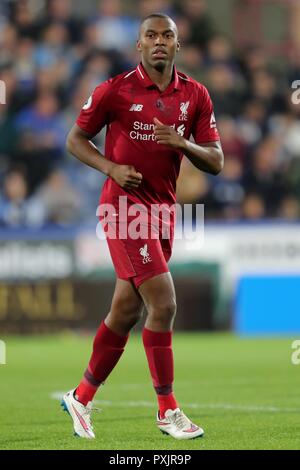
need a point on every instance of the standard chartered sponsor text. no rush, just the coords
(139, 126)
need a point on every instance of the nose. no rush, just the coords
(160, 40)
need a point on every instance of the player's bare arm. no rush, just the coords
(207, 157)
(80, 145)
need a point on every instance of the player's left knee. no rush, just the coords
(164, 311)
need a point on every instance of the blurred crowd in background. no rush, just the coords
(51, 60)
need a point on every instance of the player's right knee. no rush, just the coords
(128, 312)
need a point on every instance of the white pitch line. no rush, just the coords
(214, 406)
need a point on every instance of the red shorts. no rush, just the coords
(140, 259)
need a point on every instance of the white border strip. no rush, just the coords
(138, 67)
(130, 73)
(183, 78)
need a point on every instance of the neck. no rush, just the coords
(162, 79)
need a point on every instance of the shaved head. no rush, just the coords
(158, 15)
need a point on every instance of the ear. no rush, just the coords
(178, 46)
(138, 45)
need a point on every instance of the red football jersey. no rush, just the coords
(127, 104)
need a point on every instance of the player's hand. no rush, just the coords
(167, 135)
(126, 176)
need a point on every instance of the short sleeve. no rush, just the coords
(205, 127)
(95, 113)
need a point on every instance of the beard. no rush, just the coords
(160, 66)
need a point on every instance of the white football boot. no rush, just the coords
(178, 425)
(80, 414)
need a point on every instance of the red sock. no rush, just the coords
(85, 392)
(158, 347)
(166, 402)
(107, 350)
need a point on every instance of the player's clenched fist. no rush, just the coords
(167, 135)
(126, 176)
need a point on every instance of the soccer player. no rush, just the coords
(150, 114)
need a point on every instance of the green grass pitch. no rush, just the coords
(244, 392)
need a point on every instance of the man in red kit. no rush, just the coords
(150, 114)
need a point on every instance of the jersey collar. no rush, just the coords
(146, 81)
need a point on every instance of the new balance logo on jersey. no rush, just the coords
(136, 107)
(184, 113)
(144, 253)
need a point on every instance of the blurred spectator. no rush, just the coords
(287, 128)
(44, 121)
(47, 81)
(25, 65)
(183, 26)
(232, 142)
(220, 52)
(252, 60)
(8, 44)
(201, 25)
(289, 209)
(254, 208)
(4, 10)
(37, 161)
(291, 177)
(53, 48)
(16, 208)
(251, 124)
(198, 185)
(115, 30)
(265, 88)
(8, 135)
(224, 90)
(264, 176)
(42, 132)
(190, 61)
(23, 17)
(62, 203)
(60, 12)
(97, 67)
(227, 192)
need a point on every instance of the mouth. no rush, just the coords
(159, 54)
